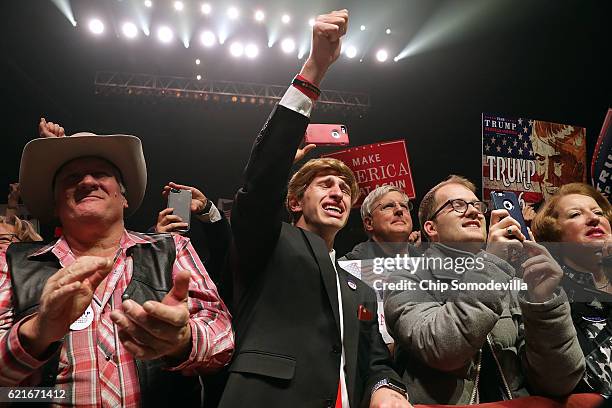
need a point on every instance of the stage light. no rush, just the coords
(148, 3)
(65, 7)
(185, 41)
(251, 51)
(198, 61)
(237, 49)
(96, 26)
(311, 21)
(382, 55)
(351, 51)
(129, 30)
(388, 31)
(206, 9)
(259, 16)
(288, 45)
(286, 18)
(233, 13)
(362, 28)
(395, 59)
(198, 77)
(208, 38)
(179, 6)
(165, 34)
(222, 37)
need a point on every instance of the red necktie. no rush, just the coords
(339, 396)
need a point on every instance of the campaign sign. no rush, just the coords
(378, 164)
(531, 158)
(601, 165)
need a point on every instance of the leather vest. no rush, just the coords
(151, 280)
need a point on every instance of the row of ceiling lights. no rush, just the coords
(209, 39)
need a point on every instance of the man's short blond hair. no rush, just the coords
(429, 206)
(314, 168)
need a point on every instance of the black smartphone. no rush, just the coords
(507, 200)
(180, 201)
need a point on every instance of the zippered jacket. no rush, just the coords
(440, 335)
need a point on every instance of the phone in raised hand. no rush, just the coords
(180, 201)
(507, 200)
(326, 135)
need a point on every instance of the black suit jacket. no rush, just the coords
(285, 302)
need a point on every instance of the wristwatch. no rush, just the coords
(392, 384)
(206, 208)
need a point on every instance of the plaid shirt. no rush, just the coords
(95, 369)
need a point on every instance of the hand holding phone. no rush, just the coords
(180, 201)
(503, 239)
(326, 135)
(507, 200)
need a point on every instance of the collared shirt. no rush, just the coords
(95, 369)
(343, 389)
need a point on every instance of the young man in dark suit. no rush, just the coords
(306, 331)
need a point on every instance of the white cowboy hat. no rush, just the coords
(42, 158)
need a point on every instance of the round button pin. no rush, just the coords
(84, 321)
(352, 285)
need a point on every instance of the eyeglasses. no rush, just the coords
(392, 205)
(8, 238)
(461, 206)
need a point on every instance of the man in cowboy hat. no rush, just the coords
(104, 315)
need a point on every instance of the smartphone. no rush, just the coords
(326, 135)
(180, 201)
(507, 200)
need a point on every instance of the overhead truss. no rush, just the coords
(115, 83)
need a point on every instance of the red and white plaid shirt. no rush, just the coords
(95, 369)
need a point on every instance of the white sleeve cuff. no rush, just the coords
(295, 100)
(213, 215)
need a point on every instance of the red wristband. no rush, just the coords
(306, 87)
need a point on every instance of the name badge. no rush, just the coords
(84, 321)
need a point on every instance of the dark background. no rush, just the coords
(540, 59)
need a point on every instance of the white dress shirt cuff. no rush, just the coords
(295, 100)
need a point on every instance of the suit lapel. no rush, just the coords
(328, 275)
(350, 304)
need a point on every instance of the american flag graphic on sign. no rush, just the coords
(529, 157)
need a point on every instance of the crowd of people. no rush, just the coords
(268, 316)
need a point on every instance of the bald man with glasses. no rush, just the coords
(463, 331)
